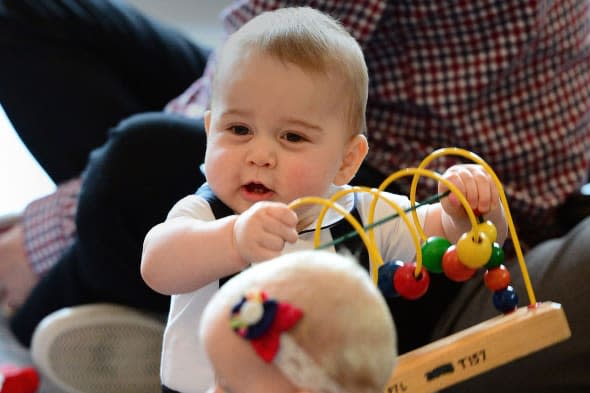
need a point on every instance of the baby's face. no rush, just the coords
(275, 132)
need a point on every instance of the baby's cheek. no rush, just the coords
(306, 179)
(297, 179)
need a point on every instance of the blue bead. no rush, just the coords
(505, 300)
(385, 278)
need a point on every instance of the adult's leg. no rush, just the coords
(150, 162)
(71, 69)
(559, 272)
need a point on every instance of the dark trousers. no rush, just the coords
(149, 162)
(72, 70)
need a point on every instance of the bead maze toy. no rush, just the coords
(514, 333)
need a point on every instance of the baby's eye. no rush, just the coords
(293, 137)
(239, 130)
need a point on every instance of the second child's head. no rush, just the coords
(310, 321)
(287, 113)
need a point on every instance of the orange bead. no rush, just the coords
(497, 278)
(453, 268)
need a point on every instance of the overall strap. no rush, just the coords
(219, 210)
(355, 244)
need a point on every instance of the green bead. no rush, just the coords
(433, 250)
(497, 257)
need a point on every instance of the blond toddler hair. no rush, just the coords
(313, 41)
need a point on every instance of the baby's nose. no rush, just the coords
(262, 155)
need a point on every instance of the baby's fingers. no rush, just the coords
(477, 185)
(272, 243)
(488, 194)
(283, 223)
(465, 183)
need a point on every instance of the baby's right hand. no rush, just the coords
(261, 231)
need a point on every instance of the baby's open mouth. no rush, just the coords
(257, 188)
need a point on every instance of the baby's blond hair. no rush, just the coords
(313, 41)
(346, 326)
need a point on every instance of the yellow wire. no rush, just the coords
(428, 173)
(477, 159)
(376, 194)
(373, 253)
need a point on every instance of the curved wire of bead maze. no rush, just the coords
(502, 339)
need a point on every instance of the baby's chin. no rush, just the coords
(307, 214)
(240, 205)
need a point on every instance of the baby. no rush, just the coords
(286, 121)
(310, 321)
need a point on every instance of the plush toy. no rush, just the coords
(16, 379)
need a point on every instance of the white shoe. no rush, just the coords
(99, 348)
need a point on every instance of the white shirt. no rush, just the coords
(185, 366)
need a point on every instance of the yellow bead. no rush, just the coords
(474, 253)
(489, 229)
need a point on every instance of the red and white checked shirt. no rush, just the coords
(508, 80)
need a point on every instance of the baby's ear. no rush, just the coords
(355, 152)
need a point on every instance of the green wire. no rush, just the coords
(427, 201)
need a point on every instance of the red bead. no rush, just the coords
(453, 268)
(407, 285)
(385, 278)
(497, 278)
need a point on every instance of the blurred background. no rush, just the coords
(197, 18)
(21, 178)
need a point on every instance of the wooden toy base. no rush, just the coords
(480, 348)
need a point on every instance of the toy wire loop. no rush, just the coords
(477, 159)
(375, 263)
(373, 253)
(416, 172)
(368, 237)
(425, 172)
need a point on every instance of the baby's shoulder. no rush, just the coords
(192, 206)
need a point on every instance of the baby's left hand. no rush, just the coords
(477, 186)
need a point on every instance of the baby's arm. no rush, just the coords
(449, 219)
(184, 254)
